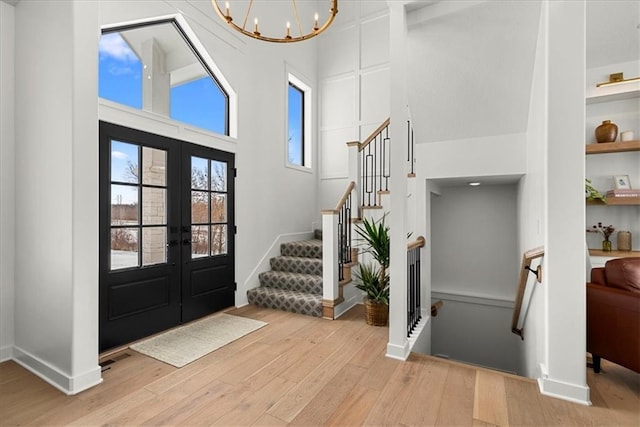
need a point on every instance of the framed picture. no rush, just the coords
(622, 182)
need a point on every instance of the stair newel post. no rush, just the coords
(355, 175)
(330, 248)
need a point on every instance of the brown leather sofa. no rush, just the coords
(613, 313)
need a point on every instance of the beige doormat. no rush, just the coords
(185, 344)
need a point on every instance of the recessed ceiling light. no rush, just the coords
(473, 184)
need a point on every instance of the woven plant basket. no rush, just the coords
(376, 314)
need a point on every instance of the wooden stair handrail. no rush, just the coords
(528, 256)
(418, 243)
(363, 145)
(345, 196)
(435, 307)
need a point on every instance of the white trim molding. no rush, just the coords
(561, 390)
(52, 375)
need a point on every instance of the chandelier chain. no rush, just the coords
(246, 16)
(295, 9)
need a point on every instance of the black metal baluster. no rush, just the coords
(413, 289)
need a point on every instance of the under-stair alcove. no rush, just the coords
(475, 261)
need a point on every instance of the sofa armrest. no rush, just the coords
(598, 276)
(613, 325)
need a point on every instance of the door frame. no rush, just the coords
(110, 131)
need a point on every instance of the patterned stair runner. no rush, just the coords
(294, 282)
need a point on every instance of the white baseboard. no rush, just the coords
(345, 306)
(263, 265)
(399, 352)
(561, 390)
(420, 338)
(6, 353)
(67, 384)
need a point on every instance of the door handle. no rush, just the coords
(186, 242)
(172, 243)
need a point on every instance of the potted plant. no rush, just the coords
(591, 193)
(374, 279)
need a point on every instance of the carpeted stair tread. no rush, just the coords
(287, 300)
(297, 265)
(309, 283)
(302, 248)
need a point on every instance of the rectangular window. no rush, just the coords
(298, 123)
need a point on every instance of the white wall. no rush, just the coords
(474, 234)
(563, 368)
(532, 208)
(7, 179)
(551, 206)
(354, 85)
(55, 197)
(470, 68)
(266, 190)
(474, 270)
(56, 209)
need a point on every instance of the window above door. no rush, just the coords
(160, 67)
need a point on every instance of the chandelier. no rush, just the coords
(287, 37)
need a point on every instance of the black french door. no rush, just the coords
(166, 233)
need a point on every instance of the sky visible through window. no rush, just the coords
(199, 102)
(124, 157)
(295, 120)
(120, 72)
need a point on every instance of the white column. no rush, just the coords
(398, 346)
(330, 285)
(565, 373)
(156, 84)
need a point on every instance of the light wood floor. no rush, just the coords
(305, 371)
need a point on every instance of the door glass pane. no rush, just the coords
(154, 206)
(124, 162)
(218, 207)
(154, 166)
(218, 176)
(199, 173)
(199, 241)
(154, 245)
(199, 207)
(218, 239)
(124, 205)
(124, 248)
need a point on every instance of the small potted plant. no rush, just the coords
(606, 232)
(374, 279)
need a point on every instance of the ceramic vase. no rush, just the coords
(624, 241)
(607, 132)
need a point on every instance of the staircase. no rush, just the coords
(294, 282)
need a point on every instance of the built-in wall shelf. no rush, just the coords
(614, 254)
(613, 147)
(616, 92)
(617, 201)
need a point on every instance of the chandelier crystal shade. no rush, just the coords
(289, 34)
